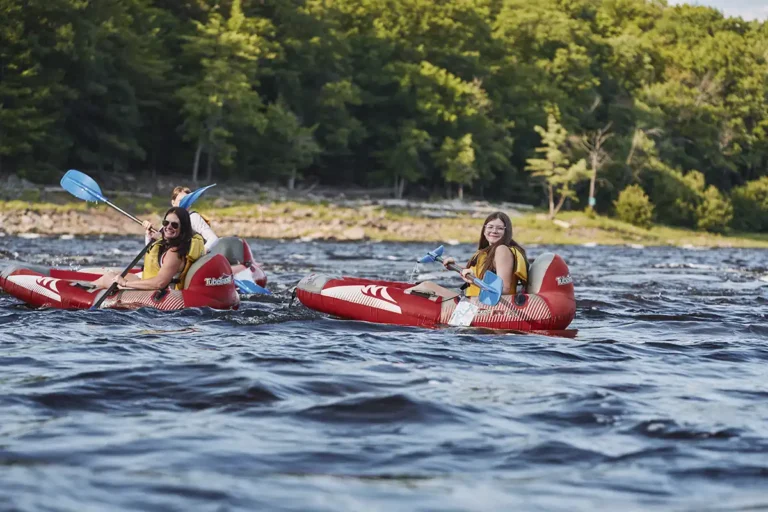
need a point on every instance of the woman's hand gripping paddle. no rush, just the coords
(490, 286)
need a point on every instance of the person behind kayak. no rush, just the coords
(200, 224)
(168, 260)
(498, 252)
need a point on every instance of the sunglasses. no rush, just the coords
(174, 225)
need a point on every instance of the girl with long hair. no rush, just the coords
(498, 252)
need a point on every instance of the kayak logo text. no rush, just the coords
(218, 281)
(564, 280)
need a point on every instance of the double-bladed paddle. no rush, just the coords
(84, 187)
(490, 286)
(190, 198)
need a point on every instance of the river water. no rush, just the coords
(660, 402)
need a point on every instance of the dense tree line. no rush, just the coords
(550, 101)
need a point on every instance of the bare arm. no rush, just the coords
(202, 227)
(505, 268)
(171, 266)
(466, 273)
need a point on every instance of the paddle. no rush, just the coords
(249, 287)
(490, 286)
(84, 187)
(190, 198)
(246, 286)
(113, 286)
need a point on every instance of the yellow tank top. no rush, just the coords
(152, 263)
(519, 275)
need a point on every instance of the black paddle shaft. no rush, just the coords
(113, 287)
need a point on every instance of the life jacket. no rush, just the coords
(153, 258)
(519, 275)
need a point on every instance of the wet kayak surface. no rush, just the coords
(660, 402)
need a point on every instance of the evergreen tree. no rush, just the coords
(224, 95)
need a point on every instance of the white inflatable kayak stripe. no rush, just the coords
(366, 295)
(31, 284)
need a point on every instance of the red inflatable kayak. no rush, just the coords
(209, 282)
(236, 250)
(547, 306)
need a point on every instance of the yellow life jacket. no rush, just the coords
(152, 260)
(519, 275)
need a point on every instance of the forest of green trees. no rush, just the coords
(551, 102)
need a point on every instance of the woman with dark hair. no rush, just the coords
(200, 223)
(169, 258)
(510, 265)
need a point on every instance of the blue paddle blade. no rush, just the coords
(490, 288)
(190, 198)
(432, 255)
(82, 186)
(249, 287)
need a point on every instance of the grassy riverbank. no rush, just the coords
(327, 220)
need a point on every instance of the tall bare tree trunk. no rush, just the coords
(597, 157)
(399, 187)
(551, 202)
(461, 192)
(559, 205)
(196, 165)
(635, 139)
(593, 179)
(292, 180)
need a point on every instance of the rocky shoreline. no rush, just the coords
(302, 223)
(252, 211)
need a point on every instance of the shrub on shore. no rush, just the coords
(634, 207)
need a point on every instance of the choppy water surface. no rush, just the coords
(661, 402)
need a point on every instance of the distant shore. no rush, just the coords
(366, 220)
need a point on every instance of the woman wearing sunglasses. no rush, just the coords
(498, 252)
(169, 258)
(200, 223)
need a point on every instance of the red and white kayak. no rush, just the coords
(209, 283)
(236, 250)
(548, 305)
